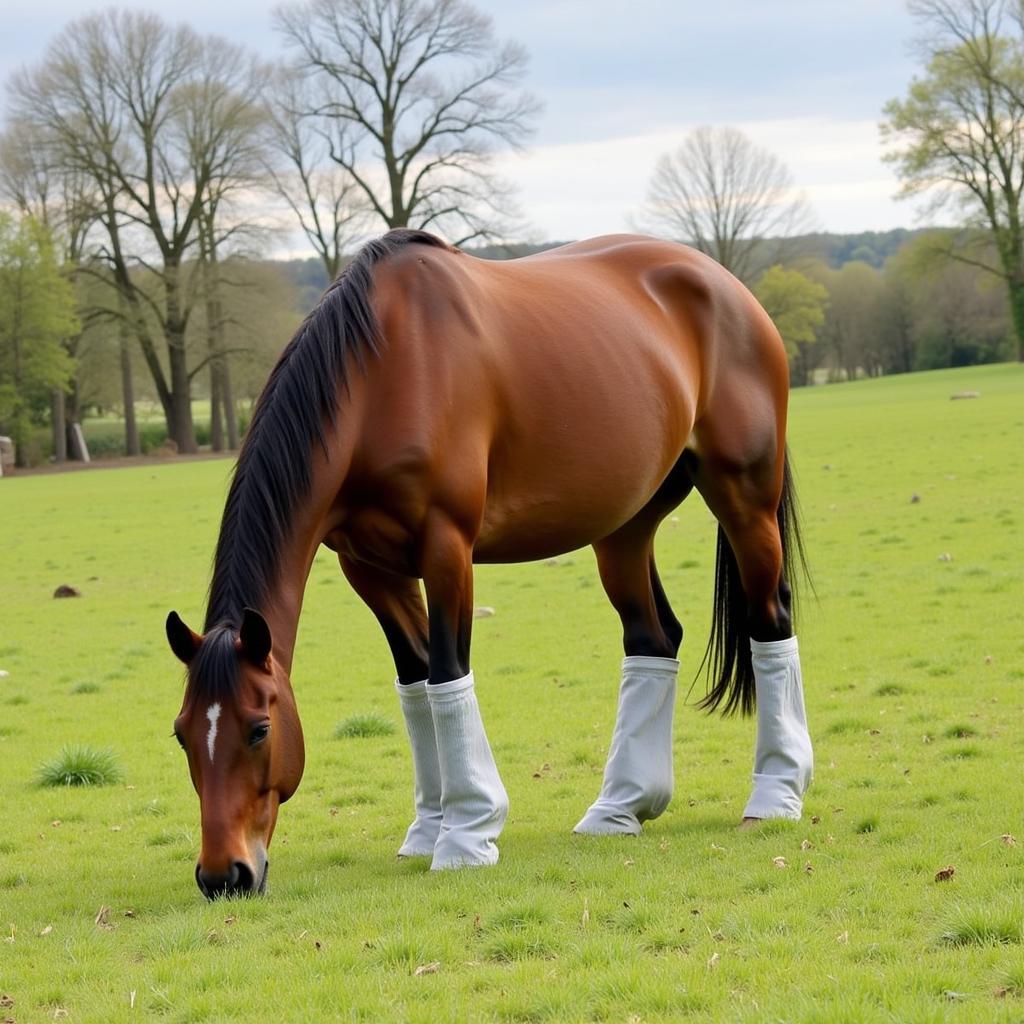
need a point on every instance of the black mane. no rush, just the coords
(273, 473)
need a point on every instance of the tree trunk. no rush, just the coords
(216, 423)
(60, 440)
(131, 427)
(1015, 284)
(227, 395)
(181, 429)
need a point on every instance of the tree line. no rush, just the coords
(146, 168)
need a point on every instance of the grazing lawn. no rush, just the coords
(913, 658)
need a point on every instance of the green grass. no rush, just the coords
(913, 671)
(80, 766)
(362, 726)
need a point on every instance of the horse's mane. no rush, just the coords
(292, 415)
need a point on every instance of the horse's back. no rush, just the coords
(559, 390)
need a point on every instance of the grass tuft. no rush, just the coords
(81, 766)
(868, 824)
(960, 732)
(987, 927)
(86, 688)
(363, 726)
(890, 690)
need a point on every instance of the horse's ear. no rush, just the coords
(183, 641)
(254, 637)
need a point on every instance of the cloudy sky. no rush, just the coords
(623, 81)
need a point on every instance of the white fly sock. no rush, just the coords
(419, 724)
(474, 804)
(638, 776)
(784, 760)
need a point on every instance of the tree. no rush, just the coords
(957, 134)
(797, 305)
(36, 314)
(413, 98)
(727, 197)
(154, 116)
(330, 207)
(63, 203)
(953, 313)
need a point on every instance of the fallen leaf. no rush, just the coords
(230, 920)
(945, 874)
(483, 612)
(719, 936)
(101, 915)
(945, 557)
(427, 969)
(628, 862)
(115, 828)
(807, 845)
(663, 845)
(6, 1002)
(809, 868)
(55, 824)
(952, 996)
(988, 659)
(317, 944)
(60, 1013)
(129, 913)
(1008, 839)
(585, 916)
(713, 961)
(780, 862)
(717, 849)
(843, 938)
(47, 930)
(874, 732)
(816, 819)
(476, 923)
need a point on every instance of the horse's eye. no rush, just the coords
(259, 734)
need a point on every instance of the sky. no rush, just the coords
(624, 81)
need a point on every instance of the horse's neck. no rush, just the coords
(307, 525)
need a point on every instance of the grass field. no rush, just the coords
(914, 670)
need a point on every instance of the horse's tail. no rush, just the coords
(728, 651)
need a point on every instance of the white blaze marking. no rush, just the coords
(212, 713)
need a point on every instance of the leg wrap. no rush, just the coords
(638, 776)
(474, 804)
(784, 760)
(419, 723)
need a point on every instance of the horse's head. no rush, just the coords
(240, 728)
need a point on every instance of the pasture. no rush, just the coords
(913, 662)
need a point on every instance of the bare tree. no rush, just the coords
(413, 99)
(150, 114)
(727, 197)
(959, 134)
(330, 207)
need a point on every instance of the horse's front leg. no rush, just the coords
(474, 804)
(398, 605)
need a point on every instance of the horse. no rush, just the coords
(436, 410)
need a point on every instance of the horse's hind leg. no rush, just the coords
(398, 605)
(753, 600)
(638, 778)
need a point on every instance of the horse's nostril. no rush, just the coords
(244, 880)
(237, 880)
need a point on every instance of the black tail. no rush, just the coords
(728, 651)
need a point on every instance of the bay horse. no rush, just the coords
(436, 410)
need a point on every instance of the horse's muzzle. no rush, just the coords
(240, 880)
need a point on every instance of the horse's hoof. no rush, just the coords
(748, 823)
